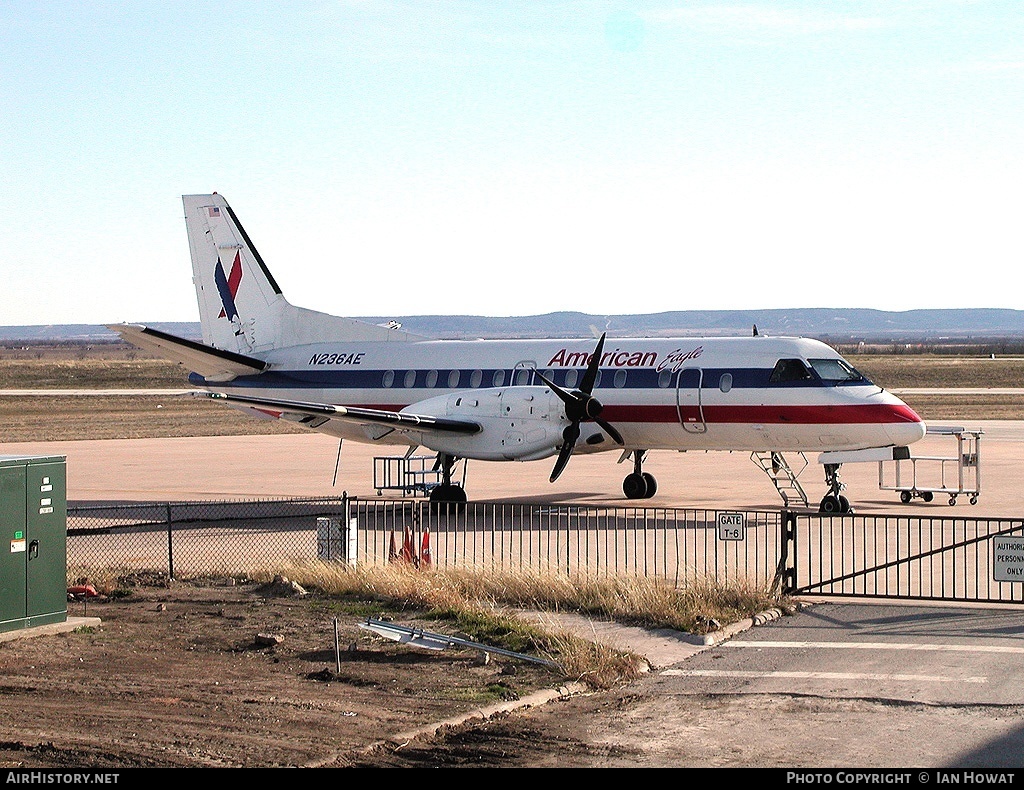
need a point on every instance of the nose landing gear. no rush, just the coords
(834, 501)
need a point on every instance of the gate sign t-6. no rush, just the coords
(731, 526)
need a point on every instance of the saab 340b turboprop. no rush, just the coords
(517, 400)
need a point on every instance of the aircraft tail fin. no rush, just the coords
(241, 307)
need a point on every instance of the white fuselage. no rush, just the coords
(681, 394)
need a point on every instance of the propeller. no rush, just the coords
(580, 405)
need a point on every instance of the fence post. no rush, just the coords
(349, 532)
(170, 545)
(785, 576)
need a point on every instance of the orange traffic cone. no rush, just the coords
(392, 552)
(408, 554)
(425, 559)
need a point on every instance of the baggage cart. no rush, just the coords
(924, 476)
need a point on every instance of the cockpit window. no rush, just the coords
(790, 370)
(836, 371)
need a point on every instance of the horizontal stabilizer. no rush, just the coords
(214, 364)
(353, 414)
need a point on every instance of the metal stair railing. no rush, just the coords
(782, 475)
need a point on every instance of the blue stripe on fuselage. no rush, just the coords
(742, 378)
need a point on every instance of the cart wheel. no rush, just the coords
(974, 500)
(952, 500)
(904, 497)
(927, 496)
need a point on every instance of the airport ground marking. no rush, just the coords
(924, 646)
(726, 673)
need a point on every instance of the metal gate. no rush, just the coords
(977, 560)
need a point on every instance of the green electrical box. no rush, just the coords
(33, 541)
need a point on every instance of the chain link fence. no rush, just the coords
(912, 556)
(190, 539)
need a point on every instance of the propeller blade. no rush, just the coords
(569, 437)
(590, 377)
(610, 430)
(566, 397)
(560, 463)
(580, 405)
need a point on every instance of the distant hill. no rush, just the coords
(85, 333)
(834, 325)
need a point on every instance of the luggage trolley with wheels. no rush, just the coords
(956, 475)
(410, 474)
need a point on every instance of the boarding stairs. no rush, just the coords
(783, 476)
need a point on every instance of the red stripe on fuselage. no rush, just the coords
(878, 413)
(861, 414)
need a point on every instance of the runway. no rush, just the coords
(308, 465)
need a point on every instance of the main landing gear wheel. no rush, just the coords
(634, 486)
(639, 484)
(447, 493)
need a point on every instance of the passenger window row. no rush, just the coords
(569, 379)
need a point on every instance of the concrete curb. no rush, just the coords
(398, 740)
(64, 627)
(697, 643)
(537, 698)
(767, 616)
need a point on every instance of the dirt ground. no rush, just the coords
(218, 675)
(213, 675)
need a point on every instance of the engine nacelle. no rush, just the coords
(517, 423)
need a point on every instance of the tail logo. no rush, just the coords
(228, 287)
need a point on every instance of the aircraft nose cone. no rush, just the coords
(907, 428)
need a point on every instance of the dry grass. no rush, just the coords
(483, 605)
(51, 418)
(899, 371)
(967, 406)
(99, 368)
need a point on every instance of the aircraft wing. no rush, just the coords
(354, 414)
(214, 364)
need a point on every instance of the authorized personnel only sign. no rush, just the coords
(1008, 559)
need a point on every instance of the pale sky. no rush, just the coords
(515, 158)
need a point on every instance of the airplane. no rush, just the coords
(516, 399)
